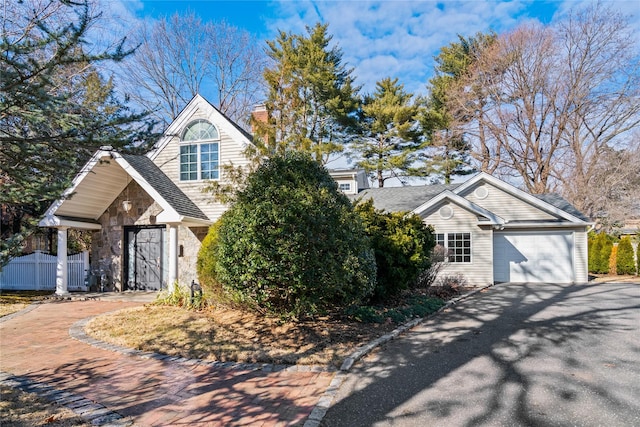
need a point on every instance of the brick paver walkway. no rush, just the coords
(36, 345)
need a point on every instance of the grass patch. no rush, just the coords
(18, 408)
(228, 334)
(14, 301)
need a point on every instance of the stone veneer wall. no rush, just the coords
(107, 244)
(189, 242)
(106, 247)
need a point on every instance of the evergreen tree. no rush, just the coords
(311, 100)
(389, 139)
(624, 260)
(55, 109)
(448, 154)
(638, 256)
(594, 246)
(599, 260)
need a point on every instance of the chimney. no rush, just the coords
(259, 114)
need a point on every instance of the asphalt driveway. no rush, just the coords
(515, 355)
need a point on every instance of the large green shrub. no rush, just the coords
(592, 247)
(402, 244)
(206, 264)
(599, 252)
(625, 263)
(638, 257)
(292, 244)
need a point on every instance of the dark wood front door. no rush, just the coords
(143, 258)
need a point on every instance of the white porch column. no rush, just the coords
(173, 256)
(86, 267)
(61, 268)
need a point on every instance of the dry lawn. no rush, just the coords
(11, 302)
(224, 334)
(612, 278)
(18, 408)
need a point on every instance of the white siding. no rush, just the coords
(230, 152)
(479, 272)
(352, 185)
(505, 205)
(581, 262)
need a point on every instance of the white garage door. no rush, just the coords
(533, 257)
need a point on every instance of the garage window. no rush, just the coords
(456, 245)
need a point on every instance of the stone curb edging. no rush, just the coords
(143, 297)
(95, 413)
(365, 349)
(323, 405)
(25, 310)
(77, 332)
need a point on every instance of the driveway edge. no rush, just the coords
(95, 413)
(323, 405)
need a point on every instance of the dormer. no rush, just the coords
(350, 181)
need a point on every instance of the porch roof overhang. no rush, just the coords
(104, 177)
(70, 222)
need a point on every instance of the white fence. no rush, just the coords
(37, 272)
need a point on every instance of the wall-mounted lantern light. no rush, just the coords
(126, 205)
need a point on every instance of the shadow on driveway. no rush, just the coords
(538, 354)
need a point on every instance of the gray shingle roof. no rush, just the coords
(560, 203)
(395, 199)
(167, 189)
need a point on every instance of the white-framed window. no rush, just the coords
(199, 152)
(345, 186)
(457, 246)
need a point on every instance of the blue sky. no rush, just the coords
(378, 38)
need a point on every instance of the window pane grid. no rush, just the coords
(458, 246)
(200, 159)
(209, 161)
(188, 162)
(200, 130)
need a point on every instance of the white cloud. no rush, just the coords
(381, 38)
(396, 38)
(400, 38)
(118, 19)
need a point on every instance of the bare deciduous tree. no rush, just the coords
(546, 103)
(612, 193)
(181, 56)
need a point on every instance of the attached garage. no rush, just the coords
(540, 256)
(513, 236)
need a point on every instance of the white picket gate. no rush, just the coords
(37, 272)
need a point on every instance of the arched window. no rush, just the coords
(199, 152)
